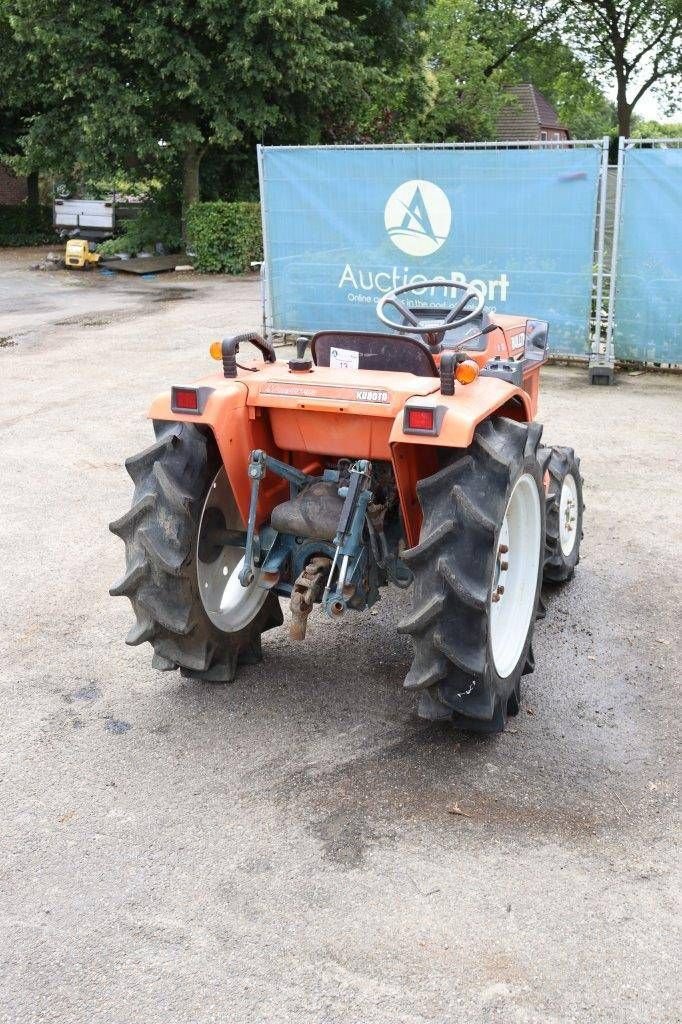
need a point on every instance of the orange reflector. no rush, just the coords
(420, 419)
(216, 350)
(466, 371)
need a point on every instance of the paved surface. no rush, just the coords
(281, 850)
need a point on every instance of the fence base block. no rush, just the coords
(601, 374)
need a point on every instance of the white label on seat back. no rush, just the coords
(343, 359)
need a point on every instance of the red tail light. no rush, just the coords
(420, 419)
(184, 400)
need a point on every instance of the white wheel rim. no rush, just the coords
(228, 604)
(568, 514)
(515, 576)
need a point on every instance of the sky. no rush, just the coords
(651, 108)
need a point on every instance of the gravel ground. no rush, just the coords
(281, 850)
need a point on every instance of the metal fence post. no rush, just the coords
(603, 370)
(596, 366)
(264, 275)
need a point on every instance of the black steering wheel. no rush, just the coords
(432, 330)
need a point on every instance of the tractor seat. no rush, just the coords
(356, 350)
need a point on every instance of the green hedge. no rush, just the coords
(26, 225)
(143, 231)
(226, 237)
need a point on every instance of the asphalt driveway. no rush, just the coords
(284, 849)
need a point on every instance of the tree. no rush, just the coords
(53, 57)
(465, 96)
(477, 49)
(153, 86)
(655, 129)
(150, 84)
(508, 28)
(15, 105)
(553, 67)
(636, 43)
(388, 42)
(581, 105)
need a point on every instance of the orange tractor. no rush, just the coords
(408, 458)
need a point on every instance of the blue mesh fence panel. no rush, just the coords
(649, 268)
(344, 225)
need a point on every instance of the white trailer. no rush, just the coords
(88, 218)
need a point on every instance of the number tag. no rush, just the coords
(344, 359)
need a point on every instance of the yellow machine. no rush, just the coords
(78, 254)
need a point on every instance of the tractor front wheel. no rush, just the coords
(564, 513)
(181, 579)
(477, 577)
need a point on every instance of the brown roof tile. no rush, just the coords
(526, 112)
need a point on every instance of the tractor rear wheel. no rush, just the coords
(477, 577)
(564, 513)
(180, 578)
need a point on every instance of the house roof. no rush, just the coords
(526, 112)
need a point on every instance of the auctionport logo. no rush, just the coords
(418, 217)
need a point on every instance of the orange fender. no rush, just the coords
(415, 456)
(236, 433)
(463, 411)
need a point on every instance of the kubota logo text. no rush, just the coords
(371, 396)
(418, 217)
